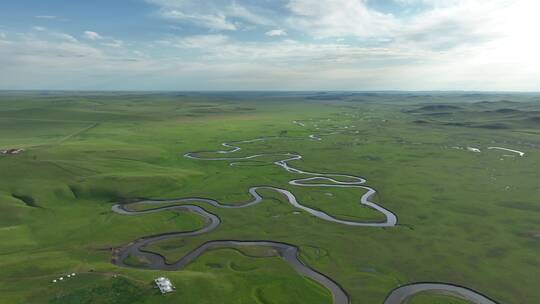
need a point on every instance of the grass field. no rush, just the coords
(465, 218)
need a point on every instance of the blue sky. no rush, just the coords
(270, 45)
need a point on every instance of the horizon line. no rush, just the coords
(264, 91)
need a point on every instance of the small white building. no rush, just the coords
(164, 285)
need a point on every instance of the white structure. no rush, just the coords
(475, 150)
(164, 285)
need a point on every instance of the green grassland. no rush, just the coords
(435, 299)
(465, 218)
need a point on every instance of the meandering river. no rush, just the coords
(287, 251)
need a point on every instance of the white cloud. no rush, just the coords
(64, 36)
(32, 61)
(206, 42)
(103, 40)
(441, 26)
(248, 15)
(335, 18)
(92, 35)
(276, 32)
(217, 21)
(216, 15)
(49, 17)
(450, 44)
(57, 35)
(214, 49)
(114, 43)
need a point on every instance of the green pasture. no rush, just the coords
(466, 218)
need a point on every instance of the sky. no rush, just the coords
(359, 45)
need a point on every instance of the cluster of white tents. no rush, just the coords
(11, 151)
(72, 275)
(164, 285)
